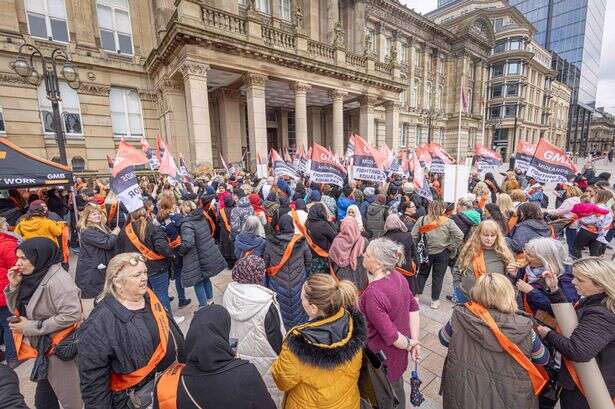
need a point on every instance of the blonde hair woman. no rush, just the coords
(474, 350)
(97, 246)
(123, 334)
(482, 192)
(594, 337)
(485, 251)
(320, 360)
(506, 205)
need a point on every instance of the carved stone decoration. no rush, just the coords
(13, 79)
(254, 79)
(193, 69)
(147, 96)
(168, 86)
(368, 44)
(336, 94)
(298, 17)
(338, 35)
(300, 86)
(94, 89)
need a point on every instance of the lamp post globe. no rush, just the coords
(69, 73)
(22, 67)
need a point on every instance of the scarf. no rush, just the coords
(348, 245)
(357, 215)
(393, 222)
(255, 201)
(42, 253)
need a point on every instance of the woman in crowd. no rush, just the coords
(407, 208)
(36, 223)
(287, 257)
(518, 197)
(572, 196)
(486, 251)
(213, 377)
(478, 372)
(443, 239)
(466, 217)
(396, 230)
(530, 224)
(354, 212)
(594, 337)
(127, 339)
(251, 240)
(45, 298)
(543, 254)
(492, 212)
(391, 311)
(483, 194)
(255, 319)
(8, 246)
(593, 227)
(97, 247)
(320, 360)
(346, 254)
(300, 212)
(201, 258)
(511, 183)
(224, 226)
(321, 232)
(257, 206)
(239, 214)
(142, 236)
(491, 183)
(508, 210)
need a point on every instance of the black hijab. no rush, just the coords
(207, 343)
(317, 213)
(286, 225)
(42, 253)
(229, 202)
(300, 204)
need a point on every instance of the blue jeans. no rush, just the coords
(204, 292)
(181, 291)
(459, 296)
(571, 233)
(8, 338)
(159, 283)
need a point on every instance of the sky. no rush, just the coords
(606, 82)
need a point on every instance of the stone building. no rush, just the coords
(524, 99)
(225, 77)
(601, 132)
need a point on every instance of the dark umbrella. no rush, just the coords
(416, 397)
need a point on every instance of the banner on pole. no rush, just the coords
(367, 163)
(550, 164)
(325, 168)
(439, 158)
(280, 167)
(124, 181)
(486, 159)
(524, 154)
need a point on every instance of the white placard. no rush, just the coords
(455, 182)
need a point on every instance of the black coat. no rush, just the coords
(10, 398)
(226, 242)
(322, 232)
(593, 338)
(156, 240)
(114, 339)
(97, 248)
(201, 258)
(405, 239)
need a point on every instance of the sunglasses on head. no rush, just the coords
(135, 260)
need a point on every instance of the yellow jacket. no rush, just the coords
(320, 362)
(38, 226)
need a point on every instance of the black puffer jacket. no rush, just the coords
(10, 398)
(288, 281)
(156, 240)
(319, 228)
(116, 339)
(201, 257)
(97, 248)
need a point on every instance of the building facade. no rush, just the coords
(524, 98)
(232, 78)
(601, 132)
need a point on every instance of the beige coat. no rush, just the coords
(55, 303)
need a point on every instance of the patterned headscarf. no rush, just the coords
(249, 270)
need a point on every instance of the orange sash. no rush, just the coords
(26, 351)
(112, 212)
(478, 264)
(166, 389)
(227, 225)
(526, 303)
(482, 202)
(212, 225)
(407, 273)
(147, 253)
(121, 382)
(273, 270)
(315, 247)
(64, 241)
(175, 243)
(426, 228)
(536, 377)
(512, 222)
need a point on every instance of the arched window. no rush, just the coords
(70, 111)
(78, 164)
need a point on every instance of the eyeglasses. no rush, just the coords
(135, 260)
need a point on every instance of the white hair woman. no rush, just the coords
(474, 350)
(127, 339)
(251, 241)
(394, 329)
(594, 337)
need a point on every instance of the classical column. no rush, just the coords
(315, 125)
(300, 89)
(197, 109)
(338, 120)
(283, 129)
(257, 118)
(366, 112)
(392, 124)
(173, 114)
(230, 124)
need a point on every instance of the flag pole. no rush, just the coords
(461, 101)
(484, 113)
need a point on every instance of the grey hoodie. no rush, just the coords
(239, 214)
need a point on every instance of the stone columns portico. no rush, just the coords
(197, 110)
(230, 124)
(366, 120)
(257, 118)
(338, 120)
(300, 89)
(392, 124)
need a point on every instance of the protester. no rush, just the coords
(45, 298)
(255, 319)
(396, 231)
(518, 197)
(8, 246)
(478, 372)
(36, 223)
(201, 258)
(257, 206)
(346, 254)
(369, 194)
(97, 246)
(408, 213)
(287, 257)
(10, 397)
(511, 183)
(354, 212)
(320, 360)
(392, 313)
(251, 240)
(377, 213)
(594, 337)
(127, 339)
(529, 226)
(535, 194)
(224, 226)
(321, 232)
(466, 217)
(345, 200)
(506, 205)
(443, 238)
(482, 193)
(492, 212)
(491, 183)
(593, 226)
(239, 214)
(328, 200)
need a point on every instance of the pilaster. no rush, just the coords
(197, 109)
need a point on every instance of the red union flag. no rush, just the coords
(127, 156)
(550, 164)
(486, 159)
(325, 167)
(367, 162)
(123, 178)
(439, 158)
(524, 154)
(423, 155)
(280, 167)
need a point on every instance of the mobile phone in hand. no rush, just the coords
(13, 319)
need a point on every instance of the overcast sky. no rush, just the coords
(606, 82)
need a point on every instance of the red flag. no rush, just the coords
(423, 155)
(550, 163)
(161, 146)
(127, 156)
(167, 164)
(417, 171)
(144, 145)
(437, 151)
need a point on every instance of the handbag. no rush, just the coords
(143, 397)
(374, 386)
(422, 256)
(68, 348)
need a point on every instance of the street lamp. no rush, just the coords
(24, 67)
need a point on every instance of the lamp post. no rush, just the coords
(24, 67)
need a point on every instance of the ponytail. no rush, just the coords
(329, 294)
(140, 218)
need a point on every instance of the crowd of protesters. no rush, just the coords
(325, 292)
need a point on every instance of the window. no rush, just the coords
(403, 53)
(417, 58)
(497, 90)
(285, 9)
(429, 64)
(439, 97)
(412, 136)
(78, 164)
(114, 24)
(514, 68)
(404, 134)
(509, 110)
(497, 70)
(515, 43)
(498, 23)
(500, 46)
(495, 111)
(427, 102)
(47, 19)
(414, 94)
(2, 126)
(70, 112)
(371, 36)
(126, 112)
(262, 6)
(512, 89)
